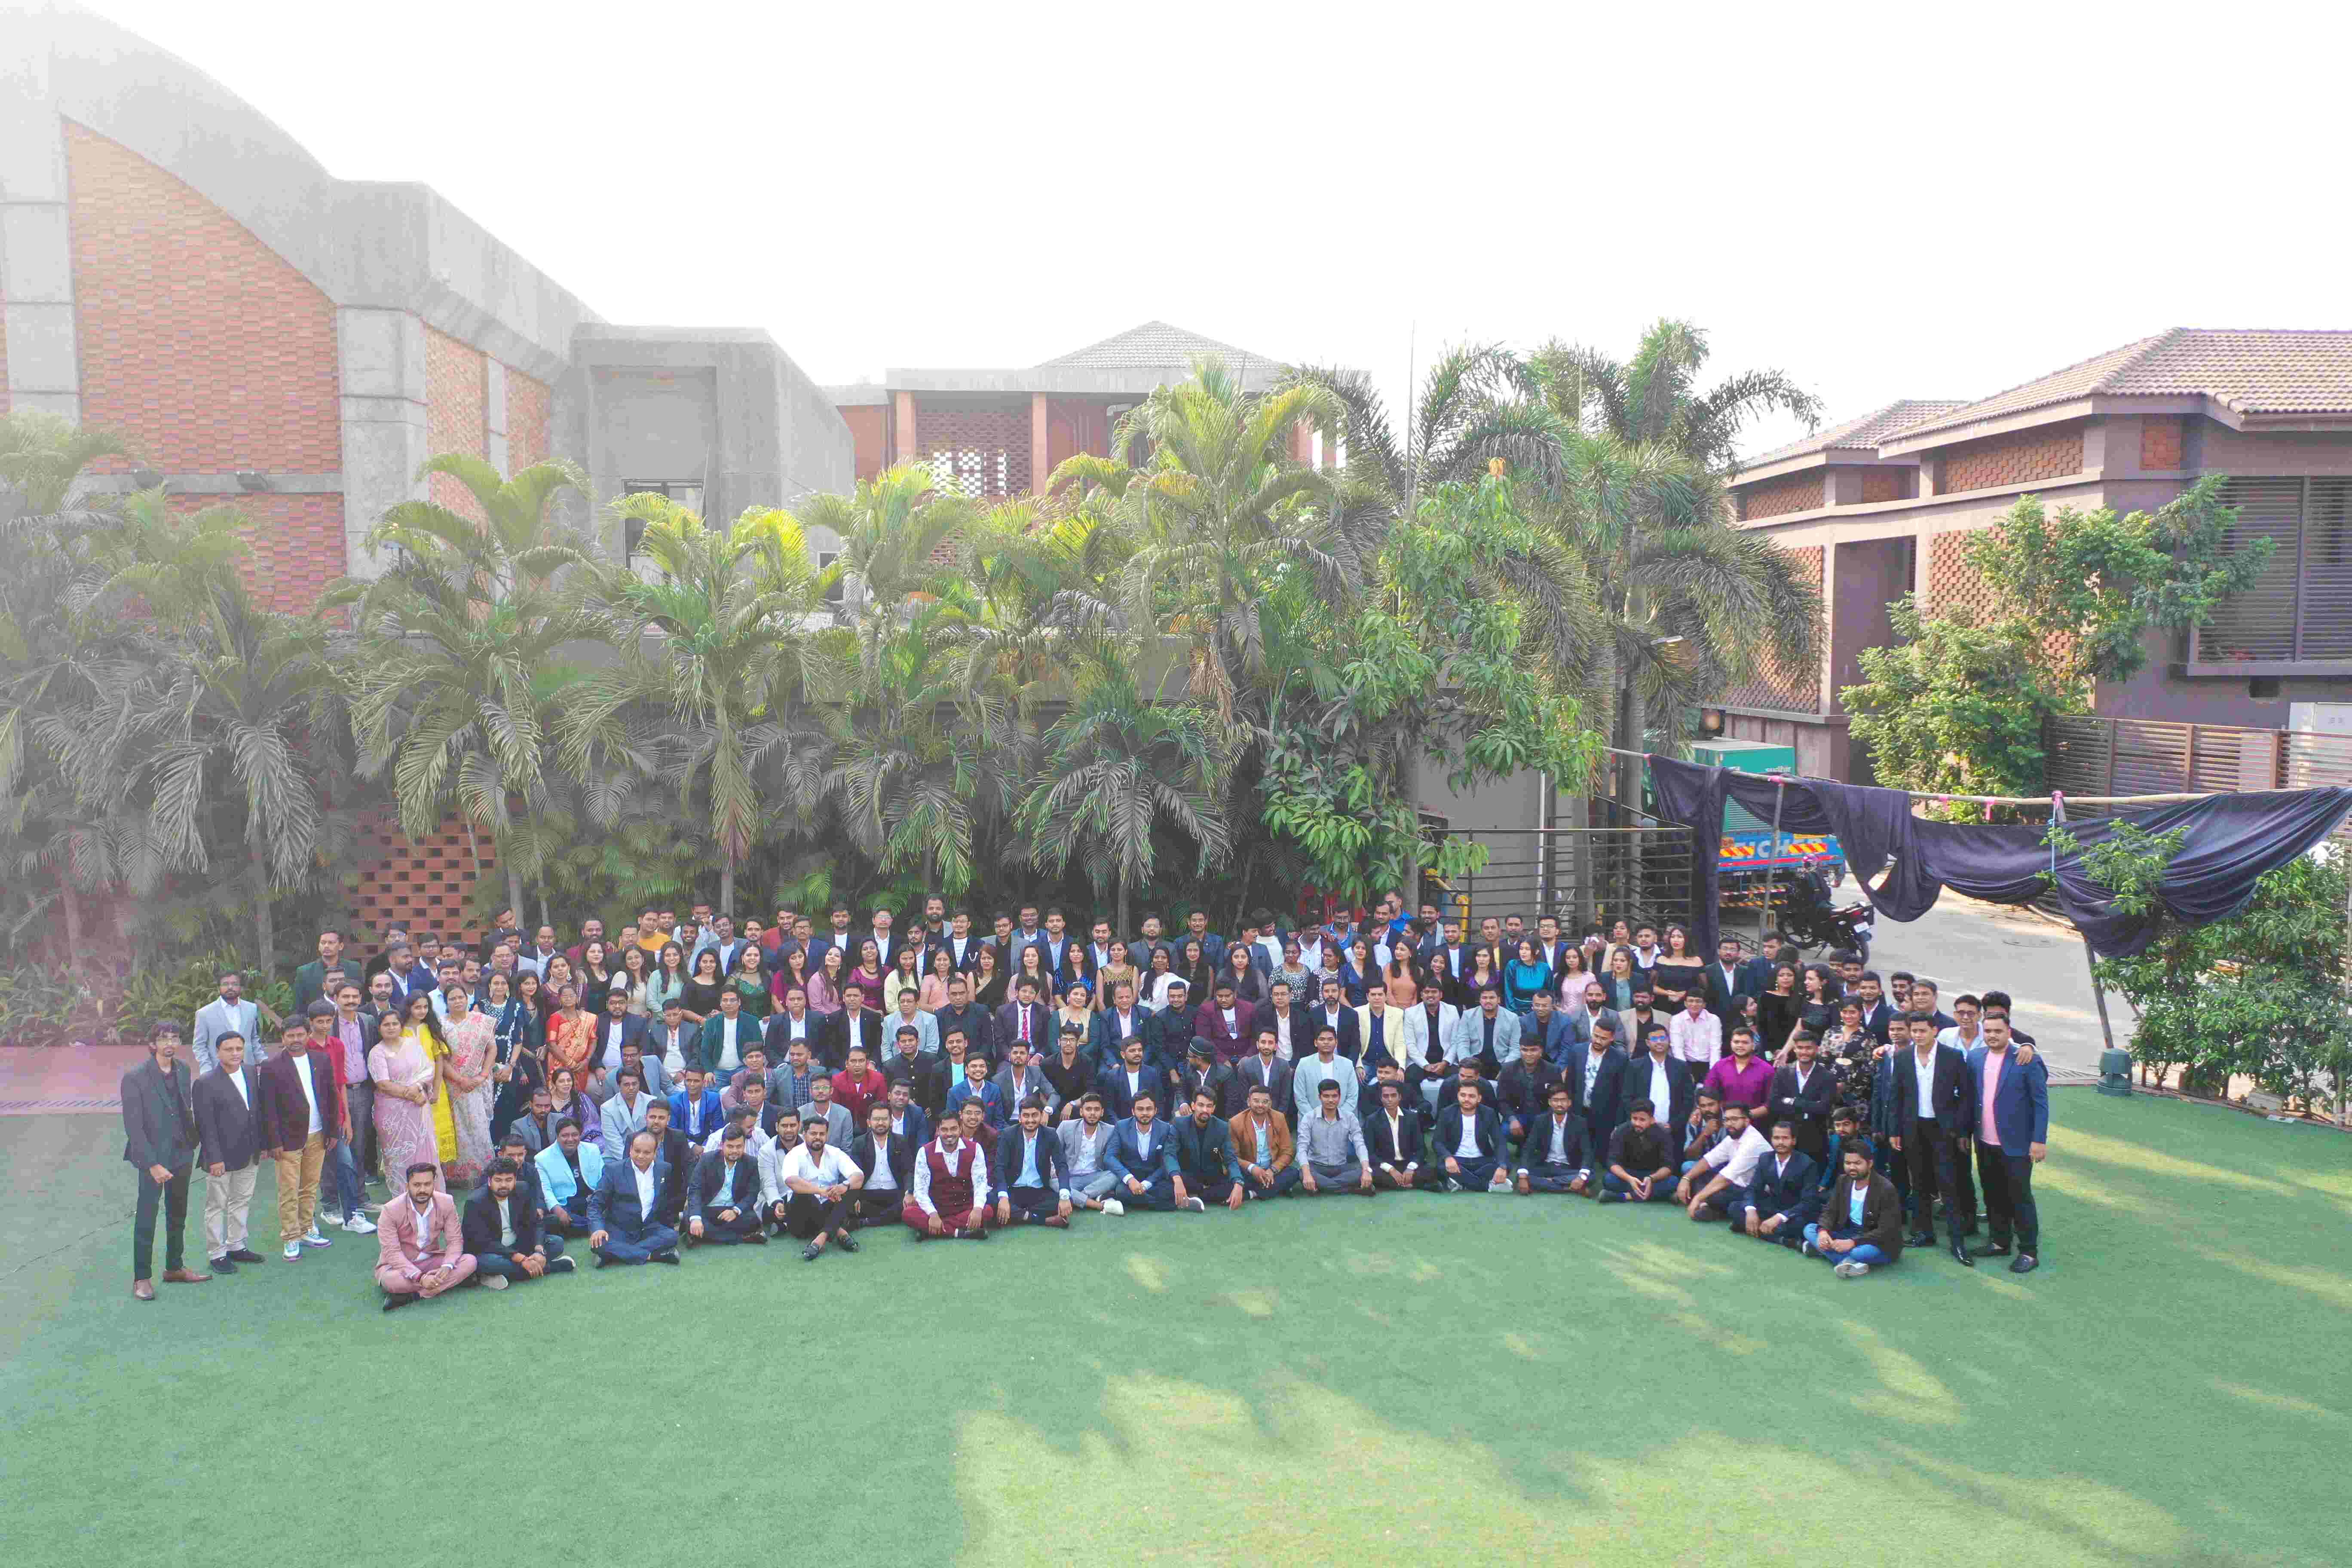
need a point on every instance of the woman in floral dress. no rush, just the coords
(473, 1053)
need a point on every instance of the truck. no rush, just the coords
(1749, 849)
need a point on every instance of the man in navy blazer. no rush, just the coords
(2010, 1111)
(1143, 1156)
(1029, 1147)
(1484, 1171)
(1596, 1082)
(1929, 1133)
(1785, 1194)
(695, 1109)
(622, 1226)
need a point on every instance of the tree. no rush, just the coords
(713, 683)
(1955, 707)
(1117, 768)
(1653, 399)
(890, 529)
(453, 667)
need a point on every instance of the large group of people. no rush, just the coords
(689, 1082)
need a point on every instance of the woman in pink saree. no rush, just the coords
(473, 1050)
(406, 1082)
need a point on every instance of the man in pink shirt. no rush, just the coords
(2011, 1096)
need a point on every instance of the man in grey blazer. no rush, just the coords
(1489, 1031)
(229, 1014)
(159, 1142)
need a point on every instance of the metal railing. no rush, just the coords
(1581, 874)
(2090, 756)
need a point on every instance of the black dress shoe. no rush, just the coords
(1995, 1249)
(601, 1259)
(810, 1253)
(668, 1255)
(2026, 1264)
(394, 1303)
(1961, 1253)
(222, 1266)
(1920, 1238)
(844, 1241)
(245, 1255)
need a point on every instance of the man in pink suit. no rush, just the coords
(418, 1249)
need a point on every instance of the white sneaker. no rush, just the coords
(359, 1225)
(315, 1239)
(293, 1252)
(494, 1281)
(1113, 1206)
(1196, 1205)
(1452, 1185)
(1850, 1269)
(328, 1219)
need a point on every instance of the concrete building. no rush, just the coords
(996, 434)
(174, 270)
(1879, 507)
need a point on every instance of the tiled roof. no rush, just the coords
(2249, 370)
(1867, 431)
(1155, 345)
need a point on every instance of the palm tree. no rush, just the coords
(1037, 580)
(1654, 400)
(1117, 767)
(1220, 521)
(453, 667)
(890, 529)
(715, 670)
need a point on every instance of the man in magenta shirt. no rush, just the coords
(1743, 1077)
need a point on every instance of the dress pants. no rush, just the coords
(502, 1264)
(2008, 1181)
(1033, 1202)
(171, 1200)
(1212, 1191)
(875, 1206)
(1340, 1178)
(1473, 1175)
(1550, 1178)
(406, 1279)
(228, 1199)
(717, 1231)
(298, 1187)
(1280, 1182)
(1931, 1156)
(971, 1219)
(1095, 1184)
(1157, 1194)
(1660, 1192)
(358, 1105)
(640, 1247)
(808, 1216)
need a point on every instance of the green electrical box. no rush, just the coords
(1747, 757)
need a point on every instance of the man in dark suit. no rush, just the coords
(2011, 1142)
(722, 1204)
(623, 1209)
(501, 1229)
(1930, 1119)
(618, 1027)
(228, 1139)
(1785, 1194)
(1168, 1035)
(924, 1075)
(1130, 1079)
(856, 1025)
(1552, 1156)
(1470, 1123)
(1204, 1072)
(1770, 954)
(1880, 1020)
(1027, 1173)
(1801, 1095)
(1228, 1022)
(1525, 1088)
(1332, 1012)
(962, 1013)
(1727, 980)
(1110, 1028)
(1205, 1154)
(887, 1158)
(159, 1142)
(1024, 1019)
(1596, 1079)
(1393, 1135)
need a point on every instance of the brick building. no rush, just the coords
(174, 270)
(1879, 507)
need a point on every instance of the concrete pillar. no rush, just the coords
(903, 407)
(1040, 449)
(36, 250)
(382, 362)
(1302, 445)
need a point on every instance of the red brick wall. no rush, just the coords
(2160, 444)
(297, 545)
(989, 447)
(202, 347)
(1885, 484)
(1798, 492)
(457, 412)
(418, 887)
(2017, 460)
(1797, 690)
(869, 430)
(529, 409)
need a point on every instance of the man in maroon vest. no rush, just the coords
(949, 1173)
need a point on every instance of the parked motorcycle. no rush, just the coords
(1812, 917)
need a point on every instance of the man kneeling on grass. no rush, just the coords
(502, 1231)
(1862, 1222)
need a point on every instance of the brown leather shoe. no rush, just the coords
(143, 1289)
(184, 1276)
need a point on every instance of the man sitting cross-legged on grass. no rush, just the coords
(950, 1187)
(820, 1179)
(1031, 1184)
(1263, 1145)
(419, 1250)
(725, 1207)
(501, 1231)
(1331, 1148)
(1552, 1155)
(623, 1206)
(1641, 1159)
(1086, 1147)
(1785, 1194)
(1861, 1220)
(1469, 1143)
(1724, 1172)
(1144, 1155)
(1204, 1154)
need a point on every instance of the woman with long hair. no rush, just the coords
(635, 974)
(1402, 976)
(988, 979)
(1249, 984)
(668, 980)
(558, 976)
(1192, 968)
(1777, 1010)
(703, 984)
(473, 1055)
(1158, 978)
(408, 1084)
(1031, 965)
(1622, 979)
(1572, 976)
(571, 1034)
(1526, 975)
(421, 1025)
(520, 1035)
(1077, 1007)
(750, 981)
(1676, 970)
(1358, 973)
(1122, 967)
(595, 977)
(564, 1099)
(933, 993)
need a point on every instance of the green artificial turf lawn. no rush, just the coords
(1459, 1379)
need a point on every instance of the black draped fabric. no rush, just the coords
(1904, 862)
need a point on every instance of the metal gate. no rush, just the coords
(1641, 875)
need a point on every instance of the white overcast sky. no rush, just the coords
(1882, 201)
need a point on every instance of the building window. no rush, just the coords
(687, 493)
(2298, 613)
(839, 593)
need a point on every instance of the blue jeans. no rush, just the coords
(499, 1263)
(1865, 1253)
(349, 1194)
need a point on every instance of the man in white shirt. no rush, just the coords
(227, 1013)
(228, 1139)
(1695, 1035)
(1729, 1167)
(820, 1177)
